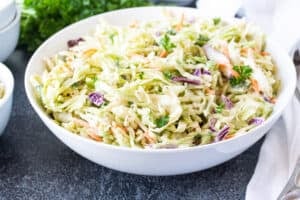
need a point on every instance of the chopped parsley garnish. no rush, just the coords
(162, 121)
(244, 73)
(141, 75)
(166, 43)
(197, 139)
(111, 37)
(168, 75)
(220, 108)
(217, 20)
(202, 40)
(171, 32)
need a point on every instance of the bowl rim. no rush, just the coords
(8, 3)
(9, 84)
(7, 12)
(48, 121)
(13, 23)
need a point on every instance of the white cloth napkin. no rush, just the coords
(281, 148)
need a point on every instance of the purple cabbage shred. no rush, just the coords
(192, 20)
(201, 71)
(72, 43)
(212, 124)
(204, 71)
(197, 72)
(96, 98)
(228, 103)
(185, 80)
(222, 133)
(256, 121)
(158, 33)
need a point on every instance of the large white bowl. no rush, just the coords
(7, 79)
(153, 161)
(9, 37)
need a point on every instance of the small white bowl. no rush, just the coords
(7, 79)
(9, 37)
(153, 161)
(7, 12)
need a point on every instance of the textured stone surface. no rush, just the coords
(34, 164)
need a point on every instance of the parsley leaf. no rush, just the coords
(217, 20)
(171, 32)
(244, 71)
(166, 43)
(220, 108)
(202, 40)
(111, 37)
(162, 121)
(42, 18)
(168, 75)
(141, 75)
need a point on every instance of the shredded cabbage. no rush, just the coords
(2, 90)
(161, 84)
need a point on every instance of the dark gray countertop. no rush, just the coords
(34, 164)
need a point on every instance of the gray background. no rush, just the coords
(34, 164)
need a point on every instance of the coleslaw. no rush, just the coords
(2, 90)
(161, 84)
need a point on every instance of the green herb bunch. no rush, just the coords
(41, 18)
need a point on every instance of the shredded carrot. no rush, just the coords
(235, 73)
(225, 51)
(227, 69)
(180, 24)
(273, 100)
(228, 136)
(163, 54)
(254, 85)
(264, 53)
(244, 50)
(91, 131)
(122, 128)
(133, 24)
(89, 52)
(81, 122)
(149, 138)
(209, 91)
(94, 136)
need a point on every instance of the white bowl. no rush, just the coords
(153, 161)
(7, 79)
(9, 37)
(7, 12)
